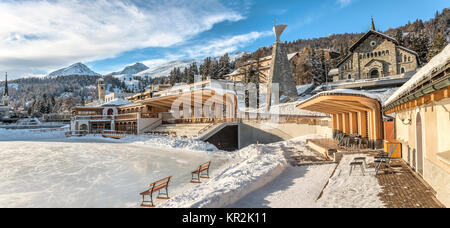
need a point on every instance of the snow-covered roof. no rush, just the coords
(292, 55)
(117, 102)
(408, 50)
(333, 72)
(348, 92)
(422, 75)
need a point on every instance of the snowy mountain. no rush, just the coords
(130, 70)
(163, 70)
(75, 69)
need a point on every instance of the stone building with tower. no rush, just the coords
(376, 55)
(101, 89)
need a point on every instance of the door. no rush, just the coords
(419, 145)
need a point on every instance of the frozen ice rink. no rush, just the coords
(91, 174)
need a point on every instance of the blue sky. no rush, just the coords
(41, 36)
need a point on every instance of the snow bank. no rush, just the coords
(160, 142)
(252, 168)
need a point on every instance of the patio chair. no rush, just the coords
(382, 159)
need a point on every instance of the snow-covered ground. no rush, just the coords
(300, 187)
(296, 187)
(45, 169)
(252, 168)
(352, 191)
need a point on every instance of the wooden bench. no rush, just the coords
(156, 187)
(199, 173)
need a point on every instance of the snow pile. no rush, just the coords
(117, 102)
(252, 168)
(436, 63)
(352, 191)
(175, 143)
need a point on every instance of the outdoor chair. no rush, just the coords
(382, 159)
(354, 164)
(361, 159)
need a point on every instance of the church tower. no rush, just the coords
(372, 26)
(5, 99)
(101, 90)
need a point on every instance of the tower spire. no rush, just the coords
(372, 27)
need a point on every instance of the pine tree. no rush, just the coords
(438, 45)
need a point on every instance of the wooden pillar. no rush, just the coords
(362, 123)
(335, 122)
(339, 122)
(346, 123)
(353, 123)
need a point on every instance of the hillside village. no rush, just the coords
(348, 120)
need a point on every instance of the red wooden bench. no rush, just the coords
(199, 173)
(156, 187)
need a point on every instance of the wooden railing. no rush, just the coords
(127, 116)
(309, 120)
(150, 115)
(199, 120)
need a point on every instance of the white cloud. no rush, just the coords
(37, 36)
(212, 48)
(344, 3)
(221, 46)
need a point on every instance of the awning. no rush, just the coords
(353, 112)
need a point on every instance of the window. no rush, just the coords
(379, 53)
(376, 54)
(402, 70)
(110, 112)
(349, 76)
(384, 53)
(387, 52)
(409, 58)
(373, 43)
(405, 59)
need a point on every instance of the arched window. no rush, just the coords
(110, 112)
(376, 54)
(409, 58)
(387, 52)
(405, 59)
(349, 76)
(379, 53)
(384, 53)
(402, 70)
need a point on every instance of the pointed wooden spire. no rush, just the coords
(372, 27)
